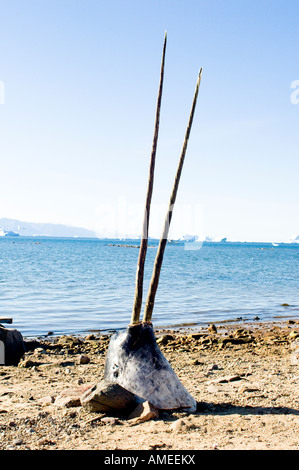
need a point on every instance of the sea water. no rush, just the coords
(66, 286)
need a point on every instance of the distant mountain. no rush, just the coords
(12, 227)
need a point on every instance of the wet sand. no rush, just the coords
(244, 376)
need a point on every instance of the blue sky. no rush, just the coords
(80, 81)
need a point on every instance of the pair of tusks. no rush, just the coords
(163, 241)
(134, 359)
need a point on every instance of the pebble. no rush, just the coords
(212, 329)
(212, 389)
(17, 442)
(295, 358)
(144, 411)
(247, 389)
(109, 420)
(228, 378)
(39, 351)
(178, 426)
(84, 359)
(294, 334)
(47, 400)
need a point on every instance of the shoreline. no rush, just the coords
(184, 326)
(243, 376)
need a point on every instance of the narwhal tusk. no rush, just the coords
(134, 359)
(163, 241)
(144, 239)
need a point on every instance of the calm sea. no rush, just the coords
(79, 285)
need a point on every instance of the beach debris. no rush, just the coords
(13, 346)
(108, 397)
(134, 359)
(5, 320)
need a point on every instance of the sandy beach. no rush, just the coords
(244, 376)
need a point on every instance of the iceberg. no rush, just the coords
(9, 233)
(294, 239)
(219, 239)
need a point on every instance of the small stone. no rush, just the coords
(195, 336)
(108, 397)
(178, 426)
(196, 362)
(228, 378)
(27, 363)
(71, 397)
(247, 389)
(45, 442)
(212, 329)
(39, 351)
(90, 337)
(294, 334)
(17, 442)
(295, 358)
(144, 412)
(84, 359)
(47, 400)
(164, 339)
(109, 420)
(212, 389)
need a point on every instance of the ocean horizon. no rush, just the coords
(77, 285)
